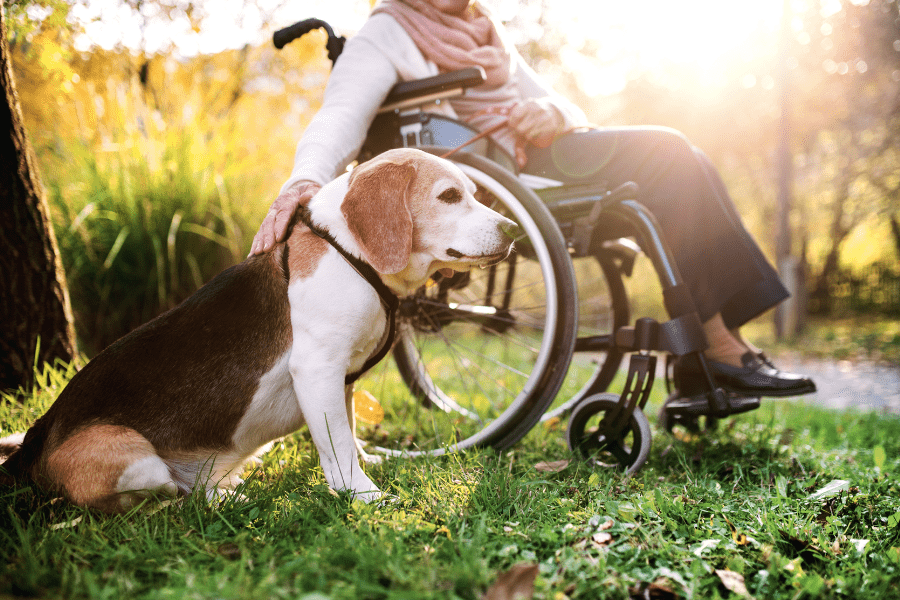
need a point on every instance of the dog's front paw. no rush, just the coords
(362, 488)
(369, 496)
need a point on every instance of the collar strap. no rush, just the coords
(389, 299)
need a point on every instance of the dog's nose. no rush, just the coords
(510, 229)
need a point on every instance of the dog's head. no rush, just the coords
(412, 213)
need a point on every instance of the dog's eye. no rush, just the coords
(450, 196)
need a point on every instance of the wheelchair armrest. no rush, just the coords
(419, 91)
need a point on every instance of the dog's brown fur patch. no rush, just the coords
(305, 249)
(376, 209)
(88, 464)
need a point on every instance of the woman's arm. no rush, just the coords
(372, 62)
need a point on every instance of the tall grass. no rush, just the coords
(158, 175)
(136, 240)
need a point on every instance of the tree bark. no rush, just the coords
(35, 314)
(895, 233)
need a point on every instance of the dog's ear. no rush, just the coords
(377, 212)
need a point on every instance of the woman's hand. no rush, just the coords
(538, 121)
(273, 229)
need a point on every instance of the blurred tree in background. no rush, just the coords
(844, 85)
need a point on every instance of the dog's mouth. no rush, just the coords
(481, 260)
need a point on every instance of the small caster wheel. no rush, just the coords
(627, 449)
(683, 423)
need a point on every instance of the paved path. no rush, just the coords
(848, 384)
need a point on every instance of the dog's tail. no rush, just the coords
(11, 443)
(9, 447)
(18, 453)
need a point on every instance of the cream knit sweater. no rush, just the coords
(379, 56)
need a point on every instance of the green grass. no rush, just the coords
(757, 498)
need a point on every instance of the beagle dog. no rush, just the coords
(267, 345)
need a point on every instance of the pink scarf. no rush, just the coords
(452, 41)
(459, 41)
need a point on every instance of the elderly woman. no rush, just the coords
(730, 280)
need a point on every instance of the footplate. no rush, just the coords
(717, 403)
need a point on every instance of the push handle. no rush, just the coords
(334, 45)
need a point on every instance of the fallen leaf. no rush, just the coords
(734, 582)
(552, 424)
(230, 550)
(515, 584)
(832, 488)
(601, 539)
(658, 590)
(607, 525)
(739, 538)
(807, 550)
(366, 407)
(552, 467)
(67, 524)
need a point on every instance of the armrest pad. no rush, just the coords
(454, 80)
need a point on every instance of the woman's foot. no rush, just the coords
(737, 367)
(755, 377)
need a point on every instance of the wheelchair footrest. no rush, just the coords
(721, 404)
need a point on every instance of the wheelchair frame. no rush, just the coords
(561, 223)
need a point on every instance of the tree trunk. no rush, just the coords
(35, 315)
(895, 232)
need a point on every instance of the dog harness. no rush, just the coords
(389, 299)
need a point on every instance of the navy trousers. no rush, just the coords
(723, 267)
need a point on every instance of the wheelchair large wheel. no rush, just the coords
(481, 355)
(602, 308)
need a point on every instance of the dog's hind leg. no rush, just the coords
(364, 456)
(108, 467)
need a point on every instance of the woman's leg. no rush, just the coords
(719, 262)
(727, 274)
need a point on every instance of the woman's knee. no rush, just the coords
(672, 141)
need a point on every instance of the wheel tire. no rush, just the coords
(626, 450)
(476, 379)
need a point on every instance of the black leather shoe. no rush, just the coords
(758, 377)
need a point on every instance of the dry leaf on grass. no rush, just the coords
(552, 467)
(515, 584)
(734, 582)
(66, 524)
(658, 590)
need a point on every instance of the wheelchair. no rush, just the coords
(482, 357)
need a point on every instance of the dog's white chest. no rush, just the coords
(273, 412)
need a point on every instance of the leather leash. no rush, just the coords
(480, 135)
